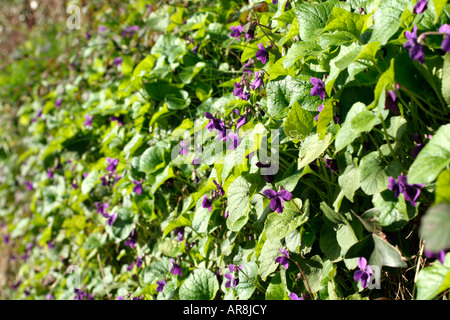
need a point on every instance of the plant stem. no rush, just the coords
(256, 285)
(304, 278)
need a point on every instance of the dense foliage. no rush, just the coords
(231, 150)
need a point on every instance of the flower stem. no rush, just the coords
(304, 278)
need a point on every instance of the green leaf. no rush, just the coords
(384, 254)
(169, 45)
(433, 280)
(279, 225)
(374, 174)
(201, 284)
(328, 243)
(156, 271)
(349, 179)
(246, 286)
(122, 226)
(346, 134)
(342, 20)
(386, 20)
(276, 290)
(239, 195)
(393, 212)
(95, 240)
(299, 123)
(435, 227)
(178, 100)
(152, 160)
(299, 50)
(436, 7)
(443, 187)
(311, 149)
(284, 92)
(89, 182)
(270, 250)
(432, 159)
(364, 121)
(312, 17)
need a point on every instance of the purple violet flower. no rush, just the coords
(446, 42)
(420, 6)
(102, 28)
(232, 280)
(88, 122)
(293, 296)
(101, 208)
(118, 61)
(436, 255)
(179, 232)
(175, 269)
(247, 66)
(219, 188)
(138, 187)
(234, 141)
(391, 102)
(236, 31)
(130, 31)
(111, 219)
(48, 296)
(276, 199)
(283, 259)
(259, 76)
(241, 121)
(119, 119)
(410, 191)
(195, 49)
(50, 173)
(331, 164)
(416, 50)
(112, 164)
(131, 266)
(29, 185)
(132, 239)
(207, 204)
(184, 148)
(262, 54)
(364, 273)
(160, 285)
(319, 87)
(58, 103)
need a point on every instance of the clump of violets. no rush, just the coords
(416, 50)
(410, 191)
(130, 31)
(263, 53)
(318, 87)
(283, 259)
(420, 6)
(240, 90)
(236, 31)
(277, 198)
(216, 124)
(364, 272)
(82, 295)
